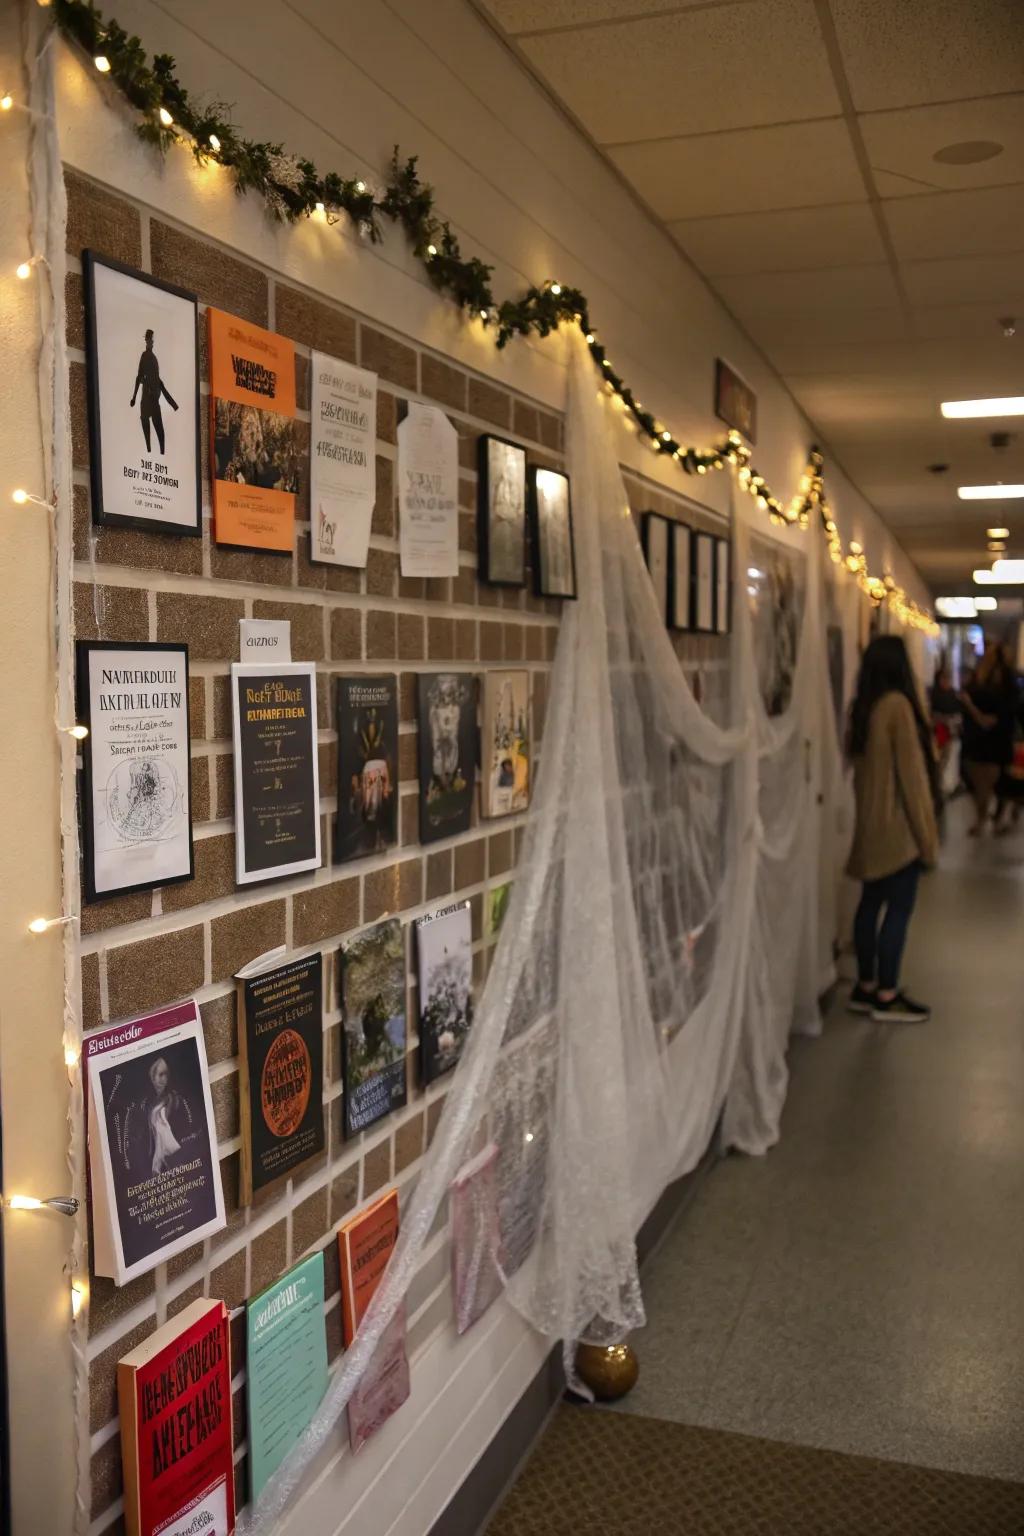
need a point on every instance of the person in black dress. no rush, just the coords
(148, 379)
(990, 702)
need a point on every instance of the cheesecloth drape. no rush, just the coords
(664, 936)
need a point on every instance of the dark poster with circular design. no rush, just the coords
(281, 1043)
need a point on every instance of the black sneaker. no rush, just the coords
(900, 1010)
(860, 1000)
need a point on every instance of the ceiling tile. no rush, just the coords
(751, 170)
(651, 79)
(988, 222)
(898, 53)
(834, 325)
(547, 15)
(970, 322)
(790, 239)
(802, 296)
(965, 280)
(901, 145)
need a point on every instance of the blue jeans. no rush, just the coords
(880, 948)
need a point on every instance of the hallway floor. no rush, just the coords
(861, 1288)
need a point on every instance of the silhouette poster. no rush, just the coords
(142, 341)
(136, 796)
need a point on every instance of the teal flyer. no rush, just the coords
(286, 1348)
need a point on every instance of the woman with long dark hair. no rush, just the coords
(896, 832)
(990, 705)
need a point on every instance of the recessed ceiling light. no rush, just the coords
(958, 607)
(996, 546)
(1004, 573)
(997, 533)
(998, 492)
(968, 152)
(1005, 405)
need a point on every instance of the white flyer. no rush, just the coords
(343, 470)
(428, 493)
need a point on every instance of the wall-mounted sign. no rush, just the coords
(735, 401)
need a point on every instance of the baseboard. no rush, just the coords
(482, 1490)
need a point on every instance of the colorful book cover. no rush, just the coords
(155, 1177)
(365, 1245)
(505, 740)
(174, 1399)
(281, 1046)
(444, 956)
(374, 1033)
(477, 1268)
(286, 1366)
(447, 752)
(256, 453)
(367, 766)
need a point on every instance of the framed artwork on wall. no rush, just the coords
(277, 776)
(136, 786)
(680, 577)
(447, 747)
(505, 741)
(554, 547)
(655, 534)
(501, 512)
(142, 356)
(704, 583)
(723, 587)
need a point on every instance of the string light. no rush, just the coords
(102, 63)
(24, 269)
(79, 732)
(431, 250)
(21, 497)
(166, 118)
(320, 208)
(67, 1205)
(6, 102)
(555, 288)
(71, 1056)
(214, 143)
(77, 1299)
(42, 924)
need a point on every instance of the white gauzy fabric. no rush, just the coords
(661, 942)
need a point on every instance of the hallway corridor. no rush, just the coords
(861, 1288)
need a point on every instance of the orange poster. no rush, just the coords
(255, 447)
(366, 1244)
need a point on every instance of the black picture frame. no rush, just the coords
(446, 804)
(655, 536)
(722, 565)
(486, 561)
(83, 713)
(102, 516)
(541, 574)
(680, 592)
(703, 547)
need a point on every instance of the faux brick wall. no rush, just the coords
(144, 950)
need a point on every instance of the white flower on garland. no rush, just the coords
(285, 171)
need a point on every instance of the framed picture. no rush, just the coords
(505, 741)
(554, 547)
(142, 355)
(444, 957)
(703, 546)
(501, 512)
(735, 401)
(655, 532)
(136, 792)
(367, 722)
(723, 587)
(277, 780)
(373, 1037)
(680, 583)
(448, 744)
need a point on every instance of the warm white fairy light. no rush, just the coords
(555, 288)
(102, 63)
(360, 186)
(6, 102)
(23, 270)
(21, 497)
(79, 732)
(431, 250)
(214, 143)
(77, 1298)
(23, 1203)
(42, 924)
(166, 118)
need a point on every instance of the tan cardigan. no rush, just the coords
(895, 815)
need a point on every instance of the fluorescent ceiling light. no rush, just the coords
(1005, 405)
(1004, 573)
(985, 604)
(959, 607)
(998, 492)
(985, 578)
(997, 533)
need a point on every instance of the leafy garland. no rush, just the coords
(293, 189)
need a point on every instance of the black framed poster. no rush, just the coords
(277, 781)
(554, 547)
(680, 583)
(723, 587)
(704, 582)
(142, 350)
(136, 793)
(654, 533)
(367, 719)
(501, 512)
(446, 709)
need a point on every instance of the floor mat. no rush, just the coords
(609, 1474)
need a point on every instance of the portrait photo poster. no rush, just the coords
(142, 351)
(554, 547)
(277, 778)
(136, 790)
(680, 576)
(155, 1178)
(501, 512)
(428, 492)
(505, 741)
(373, 1036)
(342, 461)
(444, 958)
(704, 583)
(367, 722)
(256, 451)
(447, 747)
(655, 531)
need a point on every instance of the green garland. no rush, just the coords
(294, 189)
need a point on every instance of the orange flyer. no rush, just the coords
(256, 450)
(365, 1244)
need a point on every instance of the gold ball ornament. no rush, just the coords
(609, 1370)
